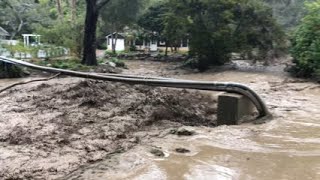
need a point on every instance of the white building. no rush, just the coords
(120, 44)
(151, 45)
(123, 42)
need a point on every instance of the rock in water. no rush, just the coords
(157, 152)
(182, 150)
(182, 132)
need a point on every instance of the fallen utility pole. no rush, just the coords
(159, 82)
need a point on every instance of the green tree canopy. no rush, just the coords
(306, 43)
(215, 27)
(288, 12)
(19, 16)
(65, 29)
(118, 15)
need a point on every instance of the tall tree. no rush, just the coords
(288, 12)
(18, 15)
(59, 9)
(92, 13)
(215, 28)
(73, 10)
(255, 27)
(175, 24)
(154, 20)
(306, 43)
(67, 32)
(118, 15)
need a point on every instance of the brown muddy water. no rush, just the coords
(288, 147)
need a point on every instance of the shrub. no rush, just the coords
(306, 43)
(72, 64)
(10, 71)
(133, 48)
(224, 27)
(118, 62)
(110, 53)
(64, 33)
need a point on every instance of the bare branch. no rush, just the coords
(21, 83)
(102, 3)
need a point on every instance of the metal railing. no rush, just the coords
(157, 81)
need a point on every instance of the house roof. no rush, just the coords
(3, 32)
(120, 35)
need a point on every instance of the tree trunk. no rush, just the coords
(114, 42)
(59, 8)
(166, 51)
(73, 10)
(89, 51)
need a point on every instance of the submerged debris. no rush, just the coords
(182, 150)
(182, 132)
(157, 152)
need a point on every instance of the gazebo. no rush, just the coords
(26, 38)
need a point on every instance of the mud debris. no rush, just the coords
(51, 129)
(182, 132)
(182, 150)
(157, 152)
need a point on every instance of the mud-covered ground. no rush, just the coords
(287, 147)
(70, 128)
(49, 129)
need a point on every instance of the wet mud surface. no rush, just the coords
(288, 147)
(53, 128)
(62, 129)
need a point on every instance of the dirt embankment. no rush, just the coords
(51, 129)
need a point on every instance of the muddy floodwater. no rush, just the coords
(287, 147)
